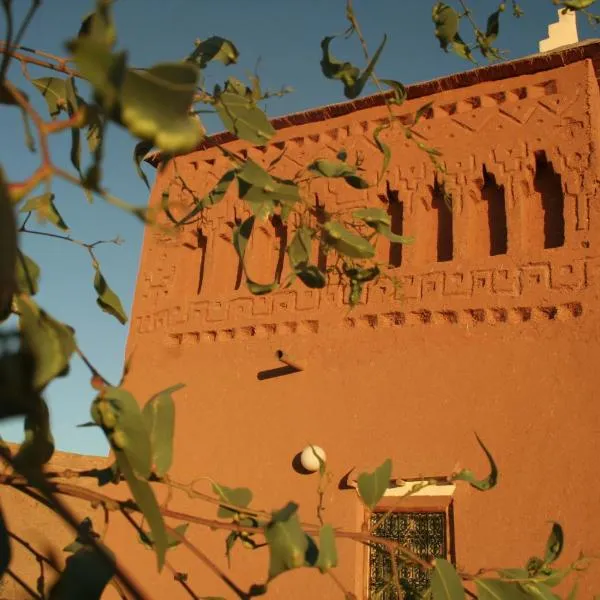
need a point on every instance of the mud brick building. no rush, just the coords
(495, 330)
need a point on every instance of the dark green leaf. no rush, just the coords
(372, 486)
(28, 275)
(445, 582)
(446, 21)
(480, 484)
(243, 118)
(54, 91)
(356, 182)
(139, 152)
(354, 81)
(38, 446)
(327, 550)
(311, 276)
(214, 48)
(45, 210)
(99, 25)
(287, 542)
(398, 89)
(384, 149)
(554, 545)
(362, 275)
(422, 111)
(50, 342)
(5, 547)
(107, 300)
(493, 589)
(73, 103)
(347, 243)
(159, 414)
(493, 25)
(241, 235)
(8, 250)
(237, 496)
(86, 575)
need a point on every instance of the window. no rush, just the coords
(422, 524)
(548, 185)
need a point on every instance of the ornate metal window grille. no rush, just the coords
(424, 533)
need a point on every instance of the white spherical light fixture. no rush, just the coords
(309, 460)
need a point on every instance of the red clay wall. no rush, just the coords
(505, 345)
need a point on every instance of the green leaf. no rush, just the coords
(117, 411)
(8, 250)
(172, 540)
(372, 486)
(493, 25)
(86, 575)
(50, 342)
(243, 118)
(331, 168)
(380, 220)
(384, 149)
(54, 91)
(45, 210)
(73, 103)
(347, 243)
(287, 542)
(214, 48)
(99, 25)
(260, 289)
(539, 590)
(237, 496)
(446, 21)
(445, 582)
(146, 500)
(159, 414)
(38, 446)
(107, 300)
(514, 573)
(27, 274)
(398, 89)
(573, 593)
(354, 81)
(263, 192)
(328, 557)
(241, 235)
(422, 111)
(139, 152)
(554, 545)
(5, 546)
(152, 103)
(493, 589)
(300, 247)
(480, 484)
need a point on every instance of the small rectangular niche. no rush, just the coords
(548, 185)
(445, 231)
(494, 197)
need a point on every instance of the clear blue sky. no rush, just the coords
(285, 35)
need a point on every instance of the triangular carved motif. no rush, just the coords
(474, 120)
(518, 112)
(555, 104)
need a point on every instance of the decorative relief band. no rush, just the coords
(489, 288)
(466, 318)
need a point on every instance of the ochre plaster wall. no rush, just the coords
(505, 345)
